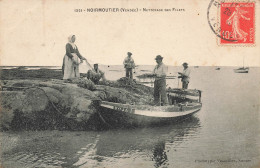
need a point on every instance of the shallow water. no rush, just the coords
(224, 133)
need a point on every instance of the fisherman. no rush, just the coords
(185, 76)
(96, 74)
(129, 64)
(160, 71)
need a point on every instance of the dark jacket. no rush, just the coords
(69, 50)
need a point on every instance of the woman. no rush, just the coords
(238, 33)
(70, 67)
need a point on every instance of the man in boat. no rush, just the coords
(96, 74)
(160, 71)
(185, 76)
(129, 64)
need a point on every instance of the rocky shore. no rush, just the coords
(40, 104)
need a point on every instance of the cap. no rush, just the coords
(185, 63)
(129, 53)
(158, 57)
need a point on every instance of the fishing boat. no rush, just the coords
(217, 68)
(242, 69)
(177, 95)
(180, 107)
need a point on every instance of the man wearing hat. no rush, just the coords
(160, 71)
(129, 64)
(185, 76)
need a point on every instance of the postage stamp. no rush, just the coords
(237, 23)
(233, 22)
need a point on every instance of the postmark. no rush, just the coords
(233, 22)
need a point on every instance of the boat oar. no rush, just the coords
(170, 77)
(160, 100)
(89, 64)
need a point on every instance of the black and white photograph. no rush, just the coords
(129, 84)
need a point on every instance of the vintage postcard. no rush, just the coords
(120, 83)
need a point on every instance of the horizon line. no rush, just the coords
(122, 65)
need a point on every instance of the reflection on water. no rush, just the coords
(159, 154)
(147, 144)
(114, 148)
(227, 128)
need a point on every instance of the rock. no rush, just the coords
(10, 102)
(44, 104)
(36, 100)
(55, 104)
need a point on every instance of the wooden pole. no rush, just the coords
(160, 99)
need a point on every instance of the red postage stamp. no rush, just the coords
(237, 23)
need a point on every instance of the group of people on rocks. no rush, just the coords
(73, 58)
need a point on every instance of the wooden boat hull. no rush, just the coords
(181, 95)
(241, 70)
(118, 115)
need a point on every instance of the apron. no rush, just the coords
(71, 67)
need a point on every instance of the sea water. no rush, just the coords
(224, 133)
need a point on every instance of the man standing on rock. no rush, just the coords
(160, 71)
(185, 76)
(129, 64)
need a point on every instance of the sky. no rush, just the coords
(34, 33)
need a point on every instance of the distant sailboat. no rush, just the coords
(242, 69)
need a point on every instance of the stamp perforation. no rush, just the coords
(217, 4)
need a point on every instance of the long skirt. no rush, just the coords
(70, 67)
